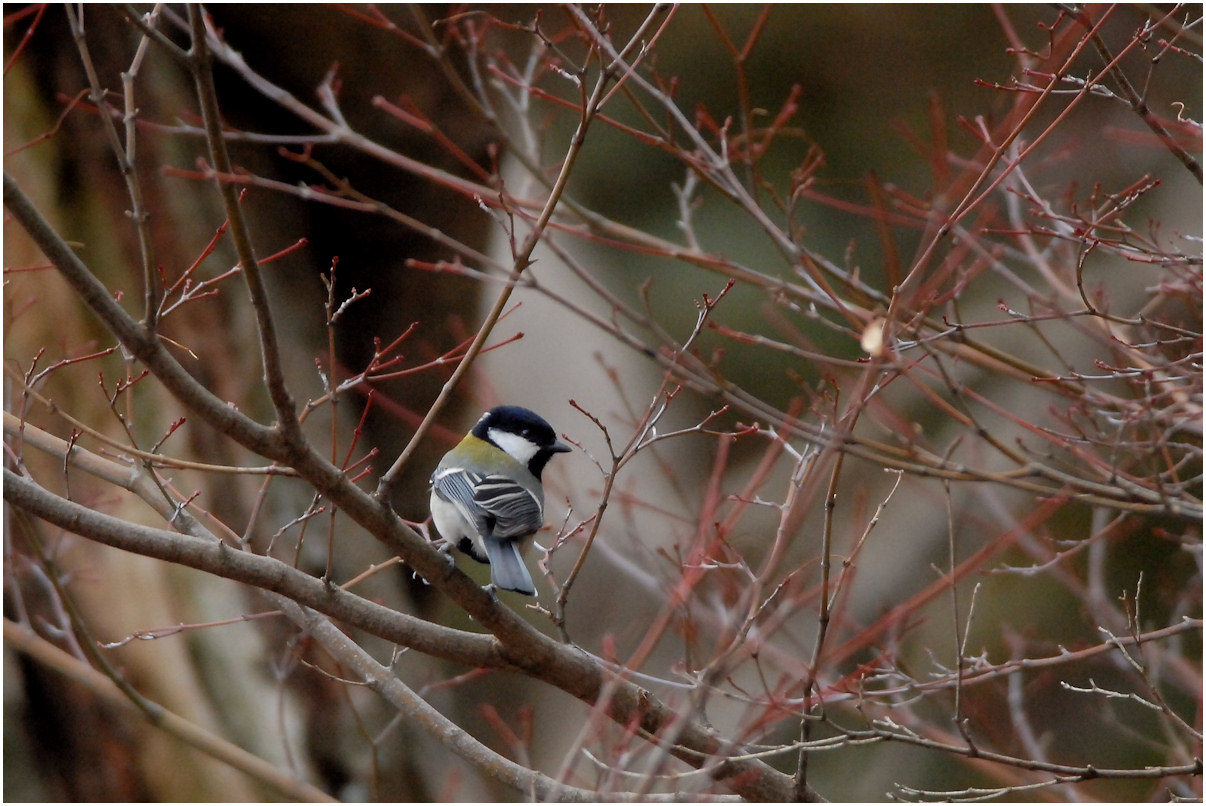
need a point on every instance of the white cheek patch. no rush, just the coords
(520, 448)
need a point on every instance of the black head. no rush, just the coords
(522, 433)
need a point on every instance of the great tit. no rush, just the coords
(486, 494)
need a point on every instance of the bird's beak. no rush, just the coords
(560, 447)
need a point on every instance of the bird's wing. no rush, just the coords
(497, 506)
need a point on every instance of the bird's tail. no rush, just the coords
(507, 570)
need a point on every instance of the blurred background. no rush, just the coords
(879, 90)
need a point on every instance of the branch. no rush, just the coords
(519, 646)
(1132, 96)
(378, 678)
(21, 639)
(218, 558)
(520, 262)
(125, 156)
(201, 65)
(136, 340)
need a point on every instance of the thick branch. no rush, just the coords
(522, 647)
(220, 559)
(533, 784)
(136, 340)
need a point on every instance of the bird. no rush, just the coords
(486, 493)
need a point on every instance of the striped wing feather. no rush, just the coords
(498, 506)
